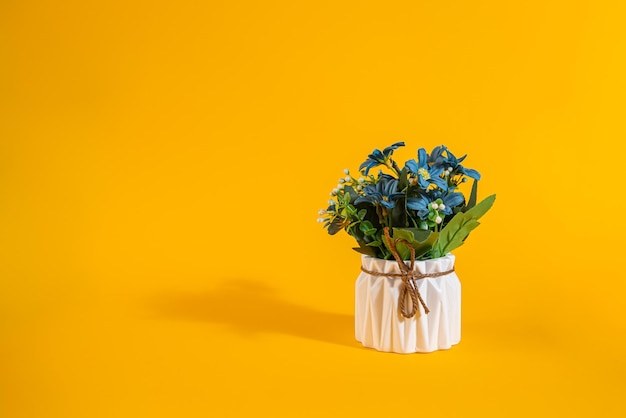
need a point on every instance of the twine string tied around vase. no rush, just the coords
(409, 275)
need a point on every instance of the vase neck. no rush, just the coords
(436, 265)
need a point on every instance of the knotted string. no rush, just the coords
(409, 274)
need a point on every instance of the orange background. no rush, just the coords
(162, 163)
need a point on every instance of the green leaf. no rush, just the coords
(454, 234)
(398, 213)
(336, 225)
(364, 249)
(366, 226)
(404, 180)
(362, 214)
(472, 200)
(480, 209)
(420, 235)
(374, 244)
(421, 246)
(351, 193)
(402, 248)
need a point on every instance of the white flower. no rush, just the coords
(320, 220)
(341, 181)
(438, 219)
(442, 206)
(345, 170)
(331, 202)
(348, 178)
(361, 180)
(321, 212)
(434, 206)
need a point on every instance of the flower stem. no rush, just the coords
(396, 168)
(381, 220)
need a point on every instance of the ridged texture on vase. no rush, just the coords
(378, 322)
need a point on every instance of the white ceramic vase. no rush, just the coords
(379, 323)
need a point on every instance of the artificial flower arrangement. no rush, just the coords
(419, 204)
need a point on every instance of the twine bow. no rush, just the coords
(409, 274)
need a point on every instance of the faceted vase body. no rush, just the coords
(379, 323)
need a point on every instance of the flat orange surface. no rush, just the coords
(162, 163)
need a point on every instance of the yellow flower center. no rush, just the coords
(424, 173)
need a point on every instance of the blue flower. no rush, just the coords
(384, 193)
(450, 161)
(450, 201)
(419, 204)
(436, 154)
(426, 175)
(378, 157)
(424, 200)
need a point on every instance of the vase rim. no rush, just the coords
(433, 265)
(368, 257)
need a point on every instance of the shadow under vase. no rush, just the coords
(249, 307)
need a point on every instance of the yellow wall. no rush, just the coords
(162, 163)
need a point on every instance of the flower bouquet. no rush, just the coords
(415, 214)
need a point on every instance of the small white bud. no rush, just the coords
(320, 220)
(347, 179)
(331, 202)
(359, 187)
(321, 212)
(340, 186)
(438, 220)
(464, 180)
(345, 170)
(449, 170)
(361, 180)
(341, 181)
(434, 206)
(442, 206)
(446, 173)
